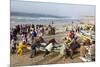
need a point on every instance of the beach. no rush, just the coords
(51, 33)
(53, 57)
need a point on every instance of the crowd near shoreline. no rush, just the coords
(30, 37)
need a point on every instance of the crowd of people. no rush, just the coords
(34, 34)
(27, 33)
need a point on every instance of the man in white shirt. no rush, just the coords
(49, 47)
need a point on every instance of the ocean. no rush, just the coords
(30, 18)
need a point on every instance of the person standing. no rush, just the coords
(35, 44)
(33, 34)
(83, 50)
(92, 51)
(13, 46)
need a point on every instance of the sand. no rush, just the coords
(52, 58)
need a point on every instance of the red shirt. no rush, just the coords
(70, 35)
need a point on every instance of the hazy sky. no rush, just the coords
(52, 8)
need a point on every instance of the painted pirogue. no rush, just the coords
(87, 40)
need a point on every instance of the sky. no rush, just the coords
(56, 9)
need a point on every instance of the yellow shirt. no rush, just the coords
(21, 45)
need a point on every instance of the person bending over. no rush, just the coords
(49, 47)
(21, 46)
